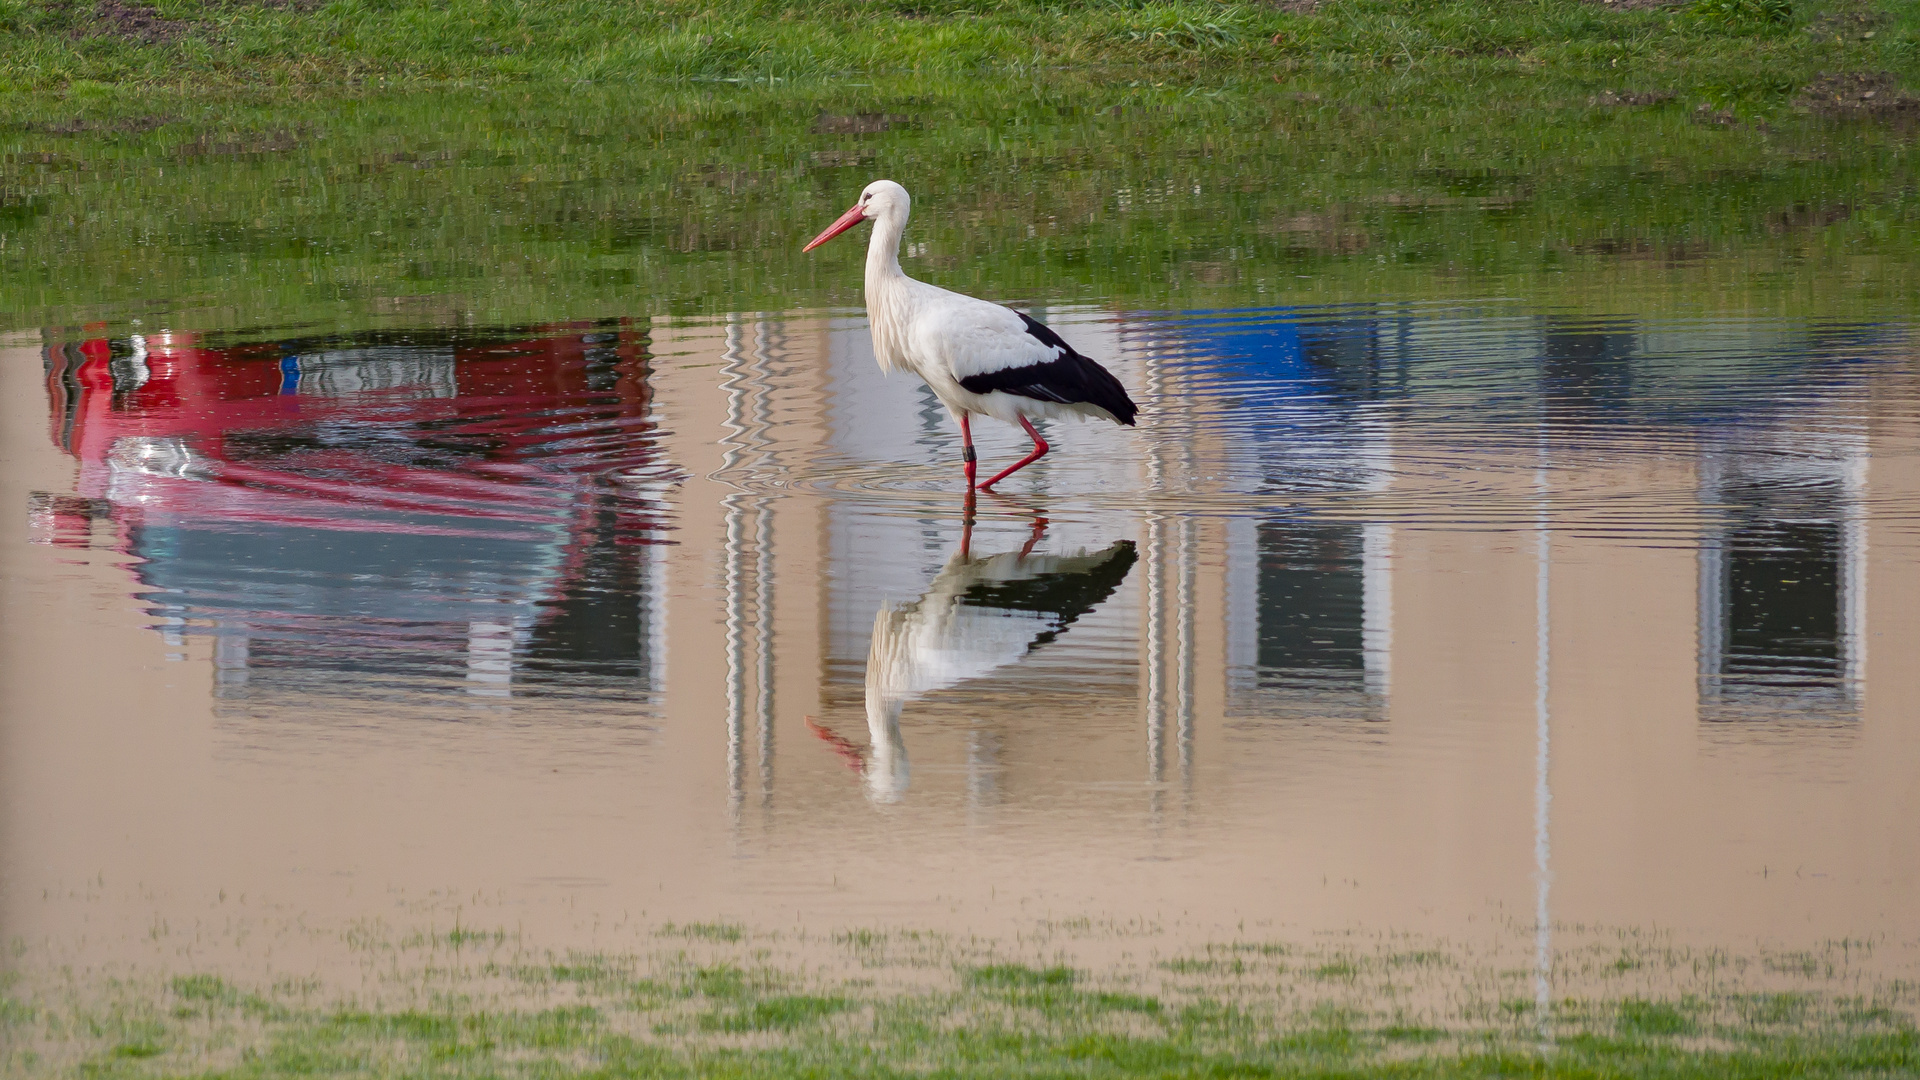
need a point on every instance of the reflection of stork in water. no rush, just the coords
(979, 614)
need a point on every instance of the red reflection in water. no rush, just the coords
(486, 431)
(444, 496)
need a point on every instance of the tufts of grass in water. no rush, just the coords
(779, 1012)
(728, 932)
(1021, 977)
(462, 937)
(729, 1012)
(1639, 1017)
(204, 995)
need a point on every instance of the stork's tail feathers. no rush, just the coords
(1107, 393)
(1067, 379)
(1070, 380)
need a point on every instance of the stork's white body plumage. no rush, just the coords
(979, 358)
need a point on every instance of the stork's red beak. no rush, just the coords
(847, 221)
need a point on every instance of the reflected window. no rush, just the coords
(1588, 364)
(1778, 600)
(1308, 613)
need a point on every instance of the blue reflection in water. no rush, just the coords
(1319, 397)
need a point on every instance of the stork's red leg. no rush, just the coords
(1033, 538)
(1040, 449)
(966, 449)
(850, 752)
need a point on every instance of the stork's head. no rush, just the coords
(881, 199)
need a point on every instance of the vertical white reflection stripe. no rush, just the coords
(1542, 790)
(735, 574)
(1376, 568)
(1184, 676)
(1156, 646)
(766, 341)
(1853, 569)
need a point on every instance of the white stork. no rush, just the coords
(978, 357)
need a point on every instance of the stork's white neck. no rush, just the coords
(887, 289)
(883, 249)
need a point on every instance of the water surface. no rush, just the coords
(1419, 613)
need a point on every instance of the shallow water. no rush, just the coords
(1456, 617)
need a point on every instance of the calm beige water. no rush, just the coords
(1448, 620)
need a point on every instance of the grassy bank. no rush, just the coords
(716, 1000)
(538, 204)
(197, 44)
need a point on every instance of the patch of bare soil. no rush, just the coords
(732, 179)
(126, 125)
(1802, 217)
(1707, 114)
(242, 143)
(1638, 5)
(1639, 249)
(1324, 232)
(841, 159)
(1848, 23)
(130, 20)
(856, 124)
(1860, 95)
(1615, 98)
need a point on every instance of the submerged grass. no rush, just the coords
(723, 1010)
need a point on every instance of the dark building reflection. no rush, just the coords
(1779, 587)
(377, 514)
(1309, 602)
(1590, 365)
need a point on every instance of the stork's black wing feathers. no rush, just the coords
(1069, 378)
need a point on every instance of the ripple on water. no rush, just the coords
(1443, 416)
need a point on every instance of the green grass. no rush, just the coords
(714, 1015)
(779, 1012)
(1639, 1017)
(1020, 977)
(546, 204)
(201, 43)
